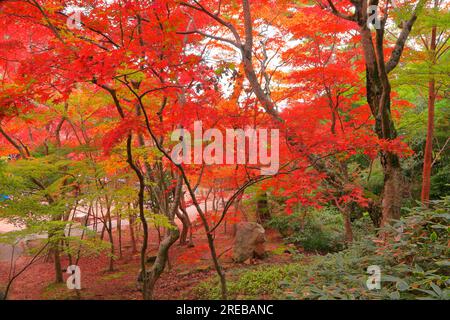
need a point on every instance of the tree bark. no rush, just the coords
(262, 208)
(185, 230)
(379, 100)
(428, 155)
(57, 263)
(171, 237)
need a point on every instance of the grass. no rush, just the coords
(114, 276)
(58, 291)
(262, 282)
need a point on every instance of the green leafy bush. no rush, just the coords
(413, 256)
(257, 283)
(317, 230)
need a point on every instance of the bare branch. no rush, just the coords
(335, 11)
(235, 44)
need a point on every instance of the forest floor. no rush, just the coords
(189, 266)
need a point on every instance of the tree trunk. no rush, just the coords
(112, 252)
(346, 211)
(393, 188)
(55, 252)
(379, 99)
(132, 220)
(348, 225)
(428, 155)
(171, 237)
(262, 208)
(57, 264)
(109, 231)
(184, 232)
(188, 219)
(119, 230)
(161, 260)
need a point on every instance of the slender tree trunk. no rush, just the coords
(119, 231)
(186, 215)
(132, 220)
(346, 211)
(112, 252)
(161, 260)
(262, 208)
(140, 176)
(185, 230)
(188, 219)
(428, 155)
(55, 245)
(109, 231)
(171, 237)
(57, 264)
(348, 228)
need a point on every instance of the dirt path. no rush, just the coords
(189, 267)
(6, 250)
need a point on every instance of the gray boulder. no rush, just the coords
(249, 242)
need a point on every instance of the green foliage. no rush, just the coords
(413, 258)
(263, 281)
(413, 261)
(58, 291)
(363, 227)
(33, 186)
(42, 192)
(373, 179)
(316, 230)
(440, 182)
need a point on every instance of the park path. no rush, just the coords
(7, 250)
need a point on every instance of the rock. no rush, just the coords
(249, 242)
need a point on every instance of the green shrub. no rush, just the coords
(317, 230)
(256, 283)
(413, 258)
(286, 225)
(414, 261)
(363, 227)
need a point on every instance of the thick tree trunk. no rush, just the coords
(393, 188)
(379, 99)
